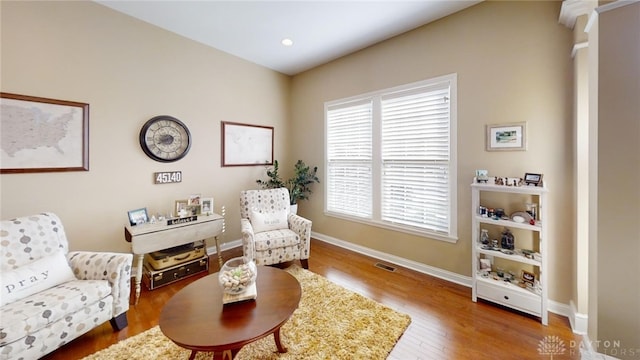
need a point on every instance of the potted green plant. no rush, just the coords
(299, 185)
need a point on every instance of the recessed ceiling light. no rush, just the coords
(287, 42)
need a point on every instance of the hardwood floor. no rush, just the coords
(445, 324)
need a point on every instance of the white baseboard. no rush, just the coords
(579, 322)
(406, 263)
(225, 246)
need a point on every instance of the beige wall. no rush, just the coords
(513, 64)
(512, 61)
(618, 221)
(129, 71)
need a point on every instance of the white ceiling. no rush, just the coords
(321, 30)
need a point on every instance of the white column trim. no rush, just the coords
(571, 9)
(578, 46)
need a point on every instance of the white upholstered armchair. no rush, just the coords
(271, 234)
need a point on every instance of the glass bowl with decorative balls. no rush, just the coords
(237, 275)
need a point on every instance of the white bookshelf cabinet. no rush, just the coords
(531, 300)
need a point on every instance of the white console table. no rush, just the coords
(147, 238)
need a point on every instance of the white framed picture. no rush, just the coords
(507, 137)
(206, 206)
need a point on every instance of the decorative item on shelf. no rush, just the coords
(533, 179)
(498, 181)
(508, 240)
(528, 277)
(485, 265)
(482, 176)
(521, 217)
(482, 211)
(527, 253)
(237, 275)
(532, 210)
(484, 237)
(511, 181)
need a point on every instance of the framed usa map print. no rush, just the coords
(43, 135)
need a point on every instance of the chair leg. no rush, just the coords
(119, 322)
(304, 263)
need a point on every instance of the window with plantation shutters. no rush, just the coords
(391, 158)
(349, 158)
(415, 158)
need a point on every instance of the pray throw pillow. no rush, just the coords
(34, 277)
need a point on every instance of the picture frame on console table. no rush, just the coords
(138, 216)
(43, 135)
(507, 137)
(180, 205)
(206, 206)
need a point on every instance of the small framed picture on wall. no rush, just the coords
(506, 137)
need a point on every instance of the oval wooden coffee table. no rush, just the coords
(196, 319)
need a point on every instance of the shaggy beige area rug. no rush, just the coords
(330, 323)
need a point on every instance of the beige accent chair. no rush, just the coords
(50, 295)
(271, 234)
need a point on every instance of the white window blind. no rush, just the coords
(391, 158)
(349, 159)
(415, 158)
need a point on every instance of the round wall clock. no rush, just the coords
(165, 138)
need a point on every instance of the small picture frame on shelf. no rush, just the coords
(485, 264)
(206, 206)
(528, 277)
(533, 179)
(194, 199)
(482, 176)
(138, 216)
(181, 208)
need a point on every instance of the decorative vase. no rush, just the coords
(237, 274)
(484, 237)
(294, 209)
(508, 240)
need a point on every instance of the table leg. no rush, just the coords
(276, 336)
(223, 355)
(219, 251)
(138, 260)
